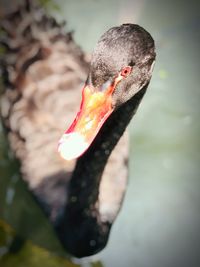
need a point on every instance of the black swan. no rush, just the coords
(43, 71)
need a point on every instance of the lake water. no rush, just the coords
(158, 225)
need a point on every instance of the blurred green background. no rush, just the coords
(159, 223)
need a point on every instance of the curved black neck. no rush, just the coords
(81, 230)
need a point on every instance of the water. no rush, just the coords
(159, 222)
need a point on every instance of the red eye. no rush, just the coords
(126, 71)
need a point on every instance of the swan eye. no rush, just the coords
(125, 72)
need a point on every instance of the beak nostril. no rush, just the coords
(105, 85)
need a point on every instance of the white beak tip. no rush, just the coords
(72, 145)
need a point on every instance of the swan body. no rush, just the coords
(44, 73)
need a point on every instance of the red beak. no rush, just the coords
(95, 108)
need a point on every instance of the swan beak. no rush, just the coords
(95, 108)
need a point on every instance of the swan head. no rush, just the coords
(121, 65)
